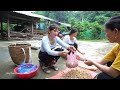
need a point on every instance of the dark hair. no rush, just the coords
(73, 30)
(53, 26)
(112, 24)
(115, 17)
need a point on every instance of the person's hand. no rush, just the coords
(72, 48)
(63, 54)
(88, 62)
(77, 57)
(82, 53)
(81, 58)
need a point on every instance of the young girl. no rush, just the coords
(71, 40)
(48, 55)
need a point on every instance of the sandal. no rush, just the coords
(46, 69)
(54, 68)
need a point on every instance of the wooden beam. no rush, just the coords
(15, 17)
(8, 27)
(36, 28)
(32, 28)
(49, 23)
(45, 27)
(1, 25)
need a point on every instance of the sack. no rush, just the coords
(71, 62)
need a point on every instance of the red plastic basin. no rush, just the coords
(25, 75)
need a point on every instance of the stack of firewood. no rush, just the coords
(19, 34)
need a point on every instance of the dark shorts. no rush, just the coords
(47, 59)
(103, 75)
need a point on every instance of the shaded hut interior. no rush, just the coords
(17, 25)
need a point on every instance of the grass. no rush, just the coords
(95, 40)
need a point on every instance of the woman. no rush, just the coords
(71, 40)
(48, 55)
(112, 59)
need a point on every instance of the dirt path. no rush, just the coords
(95, 49)
(92, 50)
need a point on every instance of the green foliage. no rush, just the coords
(86, 35)
(72, 22)
(101, 19)
(5, 26)
(63, 28)
(90, 24)
(75, 24)
(40, 12)
(85, 25)
(96, 30)
(102, 35)
(87, 30)
(42, 20)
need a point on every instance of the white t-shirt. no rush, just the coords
(46, 46)
(67, 40)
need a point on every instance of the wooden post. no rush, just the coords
(1, 26)
(49, 22)
(8, 27)
(36, 27)
(46, 25)
(1, 29)
(32, 28)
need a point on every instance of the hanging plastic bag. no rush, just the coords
(71, 62)
(26, 67)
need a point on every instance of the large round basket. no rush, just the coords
(16, 53)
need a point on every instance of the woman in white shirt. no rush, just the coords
(48, 55)
(71, 40)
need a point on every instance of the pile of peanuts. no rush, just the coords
(77, 73)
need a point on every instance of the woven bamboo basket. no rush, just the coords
(17, 54)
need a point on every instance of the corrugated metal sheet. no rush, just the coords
(65, 24)
(28, 13)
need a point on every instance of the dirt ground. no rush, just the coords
(95, 50)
